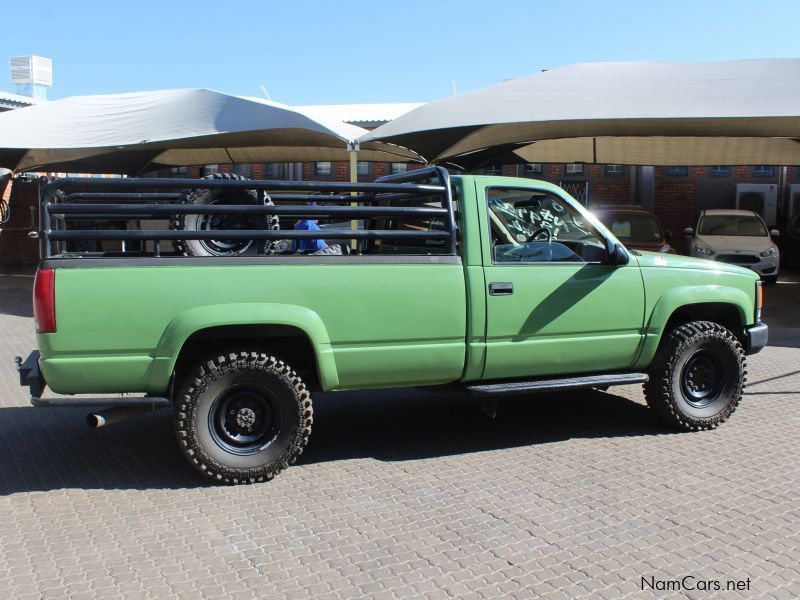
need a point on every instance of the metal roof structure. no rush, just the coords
(9, 101)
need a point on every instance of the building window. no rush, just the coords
(678, 171)
(210, 169)
(179, 172)
(243, 170)
(397, 168)
(719, 171)
(493, 170)
(573, 169)
(272, 170)
(323, 169)
(532, 169)
(763, 171)
(362, 169)
(615, 170)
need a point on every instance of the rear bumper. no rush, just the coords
(757, 336)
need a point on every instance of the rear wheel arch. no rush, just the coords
(292, 344)
(249, 322)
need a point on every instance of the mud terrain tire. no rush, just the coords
(242, 417)
(222, 247)
(697, 376)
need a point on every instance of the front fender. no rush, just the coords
(679, 297)
(217, 315)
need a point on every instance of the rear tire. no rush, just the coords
(243, 417)
(697, 376)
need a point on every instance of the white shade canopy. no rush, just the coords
(127, 133)
(735, 112)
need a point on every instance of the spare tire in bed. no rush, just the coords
(223, 247)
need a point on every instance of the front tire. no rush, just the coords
(243, 417)
(697, 376)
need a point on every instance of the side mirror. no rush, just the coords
(616, 254)
(774, 233)
(688, 231)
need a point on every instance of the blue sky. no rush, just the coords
(307, 52)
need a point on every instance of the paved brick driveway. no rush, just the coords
(405, 493)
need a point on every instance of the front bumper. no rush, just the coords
(757, 336)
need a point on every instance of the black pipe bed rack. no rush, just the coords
(65, 203)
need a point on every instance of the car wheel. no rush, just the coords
(697, 376)
(243, 417)
(223, 247)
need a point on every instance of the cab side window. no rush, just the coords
(530, 226)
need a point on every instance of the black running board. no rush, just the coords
(554, 385)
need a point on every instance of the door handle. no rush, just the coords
(501, 289)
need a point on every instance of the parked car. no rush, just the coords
(738, 237)
(637, 229)
(513, 289)
(790, 242)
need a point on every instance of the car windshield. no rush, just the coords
(743, 226)
(633, 228)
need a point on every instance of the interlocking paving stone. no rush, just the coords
(407, 493)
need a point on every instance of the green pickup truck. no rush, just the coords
(493, 285)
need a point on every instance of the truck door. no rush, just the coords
(554, 303)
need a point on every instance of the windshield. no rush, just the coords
(633, 228)
(732, 225)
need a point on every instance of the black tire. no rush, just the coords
(243, 417)
(697, 376)
(770, 279)
(206, 222)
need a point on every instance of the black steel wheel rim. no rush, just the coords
(227, 223)
(245, 419)
(702, 379)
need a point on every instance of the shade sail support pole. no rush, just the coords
(352, 149)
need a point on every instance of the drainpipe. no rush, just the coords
(783, 194)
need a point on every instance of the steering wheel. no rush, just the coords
(539, 232)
